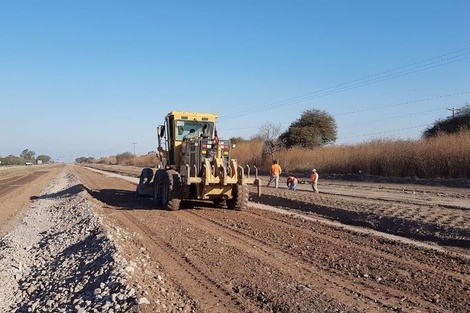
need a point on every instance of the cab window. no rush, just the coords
(182, 128)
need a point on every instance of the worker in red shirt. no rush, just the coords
(292, 183)
(314, 180)
(275, 172)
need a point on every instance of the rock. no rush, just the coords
(143, 301)
(31, 289)
(60, 248)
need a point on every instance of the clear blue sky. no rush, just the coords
(95, 78)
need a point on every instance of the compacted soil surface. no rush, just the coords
(354, 247)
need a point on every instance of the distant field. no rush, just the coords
(20, 168)
(11, 168)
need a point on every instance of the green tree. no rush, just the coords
(12, 160)
(27, 154)
(80, 160)
(44, 158)
(85, 160)
(314, 128)
(451, 125)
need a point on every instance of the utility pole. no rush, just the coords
(134, 143)
(453, 109)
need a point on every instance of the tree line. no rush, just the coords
(25, 156)
(313, 129)
(317, 128)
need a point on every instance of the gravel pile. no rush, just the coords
(59, 259)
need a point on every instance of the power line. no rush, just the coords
(338, 90)
(395, 117)
(441, 60)
(377, 108)
(420, 66)
(404, 103)
(385, 132)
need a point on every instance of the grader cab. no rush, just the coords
(197, 164)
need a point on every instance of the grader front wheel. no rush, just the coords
(167, 189)
(239, 200)
(171, 190)
(157, 190)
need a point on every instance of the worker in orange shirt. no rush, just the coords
(275, 173)
(314, 180)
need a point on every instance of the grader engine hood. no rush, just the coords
(195, 154)
(209, 163)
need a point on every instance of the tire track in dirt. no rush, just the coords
(12, 183)
(366, 289)
(401, 200)
(286, 262)
(227, 256)
(445, 226)
(427, 267)
(211, 295)
(261, 261)
(16, 187)
(406, 190)
(380, 244)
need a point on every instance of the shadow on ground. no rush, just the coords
(73, 190)
(128, 200)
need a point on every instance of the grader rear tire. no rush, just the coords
(239, 200)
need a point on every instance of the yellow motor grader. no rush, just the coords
(196, 164)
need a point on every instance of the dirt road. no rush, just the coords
(286, 259)
(17, 185)
(265, 261)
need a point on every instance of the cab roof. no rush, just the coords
(183, 115)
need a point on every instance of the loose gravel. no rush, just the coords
(60, 259)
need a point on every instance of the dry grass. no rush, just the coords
(149, 160)
(112, 160)
(249, 152)
(447, 156)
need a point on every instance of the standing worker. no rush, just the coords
(314, 180)
(275, 172)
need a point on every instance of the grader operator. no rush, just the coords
(196, 164)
